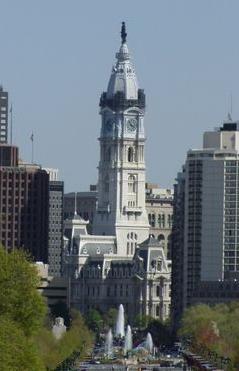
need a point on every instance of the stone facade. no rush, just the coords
(100, 279)
(159, 206)
(158, 203)
(119, 263)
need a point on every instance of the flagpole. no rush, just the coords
(32, 139)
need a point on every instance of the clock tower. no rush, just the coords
(121, 182)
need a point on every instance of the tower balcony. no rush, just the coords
(133, 210)
(119, 102)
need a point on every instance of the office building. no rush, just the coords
(23, 205)
(206, 244)
(55, 228)
(3, 116)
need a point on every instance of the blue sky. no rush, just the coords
(56, 57)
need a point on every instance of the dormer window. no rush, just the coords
(159, 265)
(153, 264)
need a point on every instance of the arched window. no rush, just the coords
(131, 184)
(130, 154)
(161, 220)
(170, 220)
(152, 220)
(161, 237)
(131, 243)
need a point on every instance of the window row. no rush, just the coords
(162, 222)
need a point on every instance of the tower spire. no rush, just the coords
(123, 33)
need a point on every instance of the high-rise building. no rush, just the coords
(55, 228)
(3, 116)
(206, 244)
(23, 205)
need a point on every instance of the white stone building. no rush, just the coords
(159, 206)
(119, 263)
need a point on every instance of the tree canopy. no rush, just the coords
(94, 320)
(19, 298)
(22, 310)
(77, 338)
(26, 339)
(215, 328)
(17, 352)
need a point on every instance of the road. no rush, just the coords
(103, 367)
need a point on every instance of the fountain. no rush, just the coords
(128, 340)
(109, 343)
(149, 343)
(119, 329)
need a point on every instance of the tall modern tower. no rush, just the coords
(3, 116)
(206, 222)
(121, 183)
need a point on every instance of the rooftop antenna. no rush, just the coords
(10, 111)
(32, 140)
(231, 104)
(75, 213)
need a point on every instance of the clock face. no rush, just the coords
(131, 124)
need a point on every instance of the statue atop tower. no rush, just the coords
(123, 90)
(123, 33)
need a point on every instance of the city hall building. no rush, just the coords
(120, 262)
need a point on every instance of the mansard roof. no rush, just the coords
(151, 252)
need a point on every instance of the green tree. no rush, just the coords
(77, 338)
(160, 332)
(94, 320)
(19, 298)
(17, 352)
(214, 328)
(142, 321)
(110, 317)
